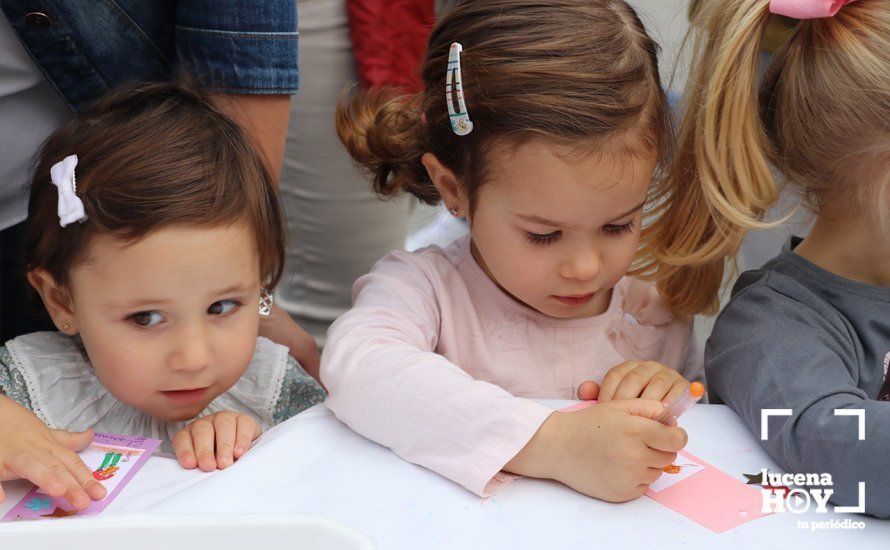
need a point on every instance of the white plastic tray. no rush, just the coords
(144, 532)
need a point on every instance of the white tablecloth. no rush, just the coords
(313, 464)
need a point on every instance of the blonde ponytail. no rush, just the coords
(821, 117)
(719, 184)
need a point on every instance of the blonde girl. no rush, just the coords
(809, 332)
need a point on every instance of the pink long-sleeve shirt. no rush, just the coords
(439, 364)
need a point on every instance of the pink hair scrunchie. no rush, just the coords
(807, 9)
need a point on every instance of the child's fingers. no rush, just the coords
(679, 388)
(52, 476)
(660, 385)
(82, 474)
(184, 449)
(74, 492)
(248, 430)
(635, 380)
(225, 426)
(33, 468)
(612, 379)
(75, 441)
(646, 408)
(659, 459)
(77, 497)
(588, 390)
(203, 440)
(671, 439)
(652, 475)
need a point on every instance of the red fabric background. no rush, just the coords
(389, 40)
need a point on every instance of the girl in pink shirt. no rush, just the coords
(542, 124)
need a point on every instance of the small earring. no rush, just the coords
(66, 326)
(454, 211)
(266, 301)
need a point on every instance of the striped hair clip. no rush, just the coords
(459, 118)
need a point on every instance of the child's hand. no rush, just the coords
(29, 450)
(228, 432)
(610, 451)
(645, 379)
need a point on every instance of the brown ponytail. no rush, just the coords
(521, 80)
(384, 132)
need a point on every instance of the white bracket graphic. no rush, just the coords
(860, 509)
(860, 413)
(764, 420)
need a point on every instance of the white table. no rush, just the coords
(313, 464)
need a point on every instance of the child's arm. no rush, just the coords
(387, 383)
(29, 450)
(216, 440)
(771, 351)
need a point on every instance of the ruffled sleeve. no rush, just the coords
(12, 383)
(299, 391)
(645, 329)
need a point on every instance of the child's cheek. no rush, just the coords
(241, 353)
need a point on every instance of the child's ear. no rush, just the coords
(56, 300)
(446, 183)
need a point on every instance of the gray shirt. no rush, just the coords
(795, 336)
(30, 110)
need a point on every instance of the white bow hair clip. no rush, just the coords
(70, 205)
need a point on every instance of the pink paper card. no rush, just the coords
(113, 459)
(706, 495)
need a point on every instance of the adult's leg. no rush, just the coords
(338, 227)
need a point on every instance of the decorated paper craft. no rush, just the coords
(113, 459)
(109, 465)
(709, 497)
(681, 469)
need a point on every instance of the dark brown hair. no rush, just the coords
(576, 72)
(152, 156)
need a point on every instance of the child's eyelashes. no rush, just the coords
(550, 238)
(619, 229)
(146, 319)
(223, 307)
(537, 238)
(149, 319)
